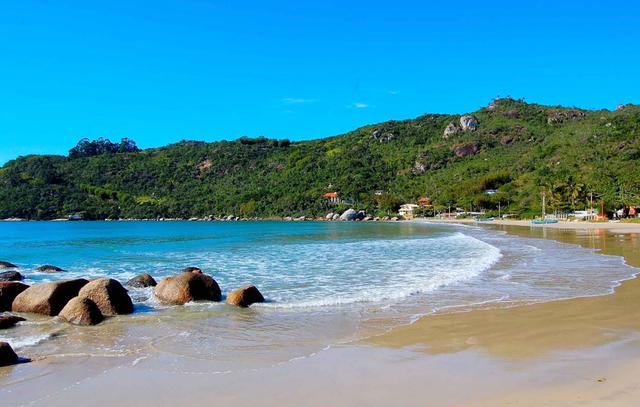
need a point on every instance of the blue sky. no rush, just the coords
(163, 71)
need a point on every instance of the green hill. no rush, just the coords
(518, 149)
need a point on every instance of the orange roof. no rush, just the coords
(330, 195)
(424, 200)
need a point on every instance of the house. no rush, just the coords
(424, 202)
(406, 210)
(332, 197)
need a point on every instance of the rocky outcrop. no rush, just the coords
(47, 298)
(562, 116)
(7, 265)
(7, 356)
(81, 311)
(192, 270)
(10, 276)
(329, 216)
(244, 296)
(382, 135)
(141, 281)
(507, 140)
(349, 214)
(450, 130)
(48, 268)
(466, 149)
(8, 321)
(187, 287)
(9, 290)
(336, 216)
(109, 295)
(468, 123)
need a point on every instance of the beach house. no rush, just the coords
(332, 197)
(406, 210)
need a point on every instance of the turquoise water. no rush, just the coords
(294, 264)
(325, 282)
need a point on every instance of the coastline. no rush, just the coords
(583, 351)
(578, 329)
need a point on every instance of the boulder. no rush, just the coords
(450, 130)
(9, 290)
(7, 265)
(10, 276)
(47, 298)
(81, 311)
(141, 281)
(109, 295)
(192, 270)
(468, 123)
(361, 215)
(329, 216)
(186, 287)
(382, 135)
(349, 214)
(466, 149)
(48, 268)
(244, 296)
(511, 114)
(7, 321)
(7, 355)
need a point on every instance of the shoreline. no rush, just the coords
(551, 352)
(580, 326)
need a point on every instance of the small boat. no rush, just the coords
(543, 221)
(484, 219)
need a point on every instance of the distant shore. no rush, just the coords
(611, 226)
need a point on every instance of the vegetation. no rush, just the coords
(520, 150)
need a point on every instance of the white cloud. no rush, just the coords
(360, 105)
(393, 92)
(297, 101)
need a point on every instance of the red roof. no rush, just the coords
(424, 200)
(331, 195)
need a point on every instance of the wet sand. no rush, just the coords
(583, 351)
(564, 333)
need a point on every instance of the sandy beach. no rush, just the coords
(581, 351)
(594, 340)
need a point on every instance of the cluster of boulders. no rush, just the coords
(351, 215)
(467, 123)
(208, 218)
(88, 302)
(382, 135)
(562, 116)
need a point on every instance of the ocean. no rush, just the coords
(326, 283)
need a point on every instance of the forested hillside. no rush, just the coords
(518, 149)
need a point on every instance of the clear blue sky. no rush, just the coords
(161, 71)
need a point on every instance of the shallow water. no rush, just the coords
(326, 283)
